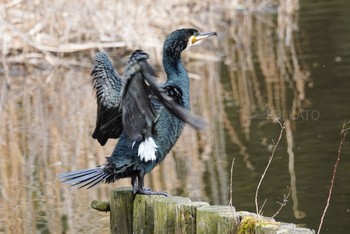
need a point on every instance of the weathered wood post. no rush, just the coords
(216, 219)
(121, 206)
(159, 214)
(187, 216)
(143, 220)
(165, 213)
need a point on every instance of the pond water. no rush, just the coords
(310, 145)
(265, 66)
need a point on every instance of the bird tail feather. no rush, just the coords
(85, 178)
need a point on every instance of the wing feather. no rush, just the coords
(140, 88)
(125, 104)
(107, 84)
(138, 116)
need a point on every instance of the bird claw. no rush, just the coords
(148, 191)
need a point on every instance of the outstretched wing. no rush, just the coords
(140, 87)
(124, 104)
(138, 116)
(107, 85)
(170, 97)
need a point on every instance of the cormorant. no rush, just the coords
(147, 118)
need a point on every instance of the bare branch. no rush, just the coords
(231, 181)
(343, 134)
(267, 167)
(283, 203)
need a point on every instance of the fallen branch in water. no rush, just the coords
(343, 133)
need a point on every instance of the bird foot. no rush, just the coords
(147, 191)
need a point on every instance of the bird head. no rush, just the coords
(180, 39)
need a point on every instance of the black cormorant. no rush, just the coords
(147, 118)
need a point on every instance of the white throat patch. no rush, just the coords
(147, 150)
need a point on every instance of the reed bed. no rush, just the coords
(47, 106)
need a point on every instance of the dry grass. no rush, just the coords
(47, 109)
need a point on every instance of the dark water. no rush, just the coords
(323, 49)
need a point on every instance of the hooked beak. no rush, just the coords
(203, 35)
(200, 36)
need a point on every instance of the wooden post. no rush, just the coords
(186, 217)
(100, 205)
(165, 213)
(216, 219)
(121, 206)
(143, 220)
(158, 214)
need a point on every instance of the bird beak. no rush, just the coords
(203, 35)
(200, 36)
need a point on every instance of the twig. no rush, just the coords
(231, 181)
(343, 134)
(262, 207)
(282, 204)
(267, 167)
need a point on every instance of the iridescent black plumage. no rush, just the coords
(146, 117)
(108, 84)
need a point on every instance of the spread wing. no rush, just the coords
(137, 113)
(125, 104)
(108, 85)
(139, 90)
(169, 96)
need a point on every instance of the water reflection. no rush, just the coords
(268, 79)
(273, 67)
(312, 122)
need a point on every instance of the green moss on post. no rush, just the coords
(216, 219)
(186, 216)
(100, 205)
(227, 222)
(121, 206)
(266, 228)
(165, 213)
(143, 220)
